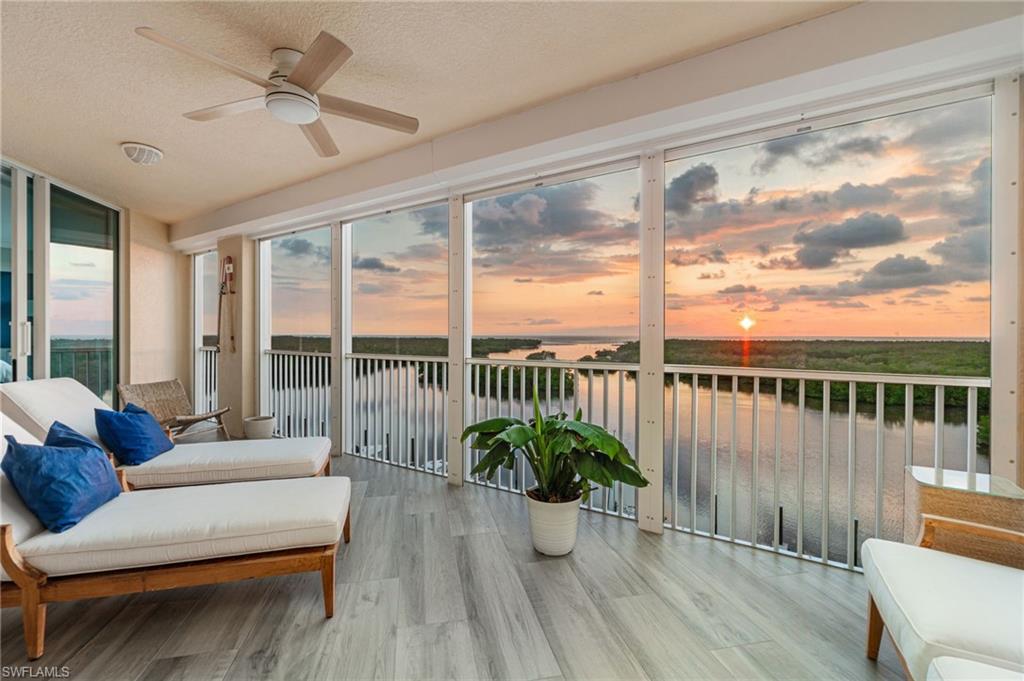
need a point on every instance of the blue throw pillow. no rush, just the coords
(133, 435)
(63, 480)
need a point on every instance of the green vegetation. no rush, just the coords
(418, 346)
(942, 358)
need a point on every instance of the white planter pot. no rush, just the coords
(258, 427)
(553, 526)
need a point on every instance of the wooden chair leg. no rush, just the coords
(33, 617)
(875, 628)
(346, 530)
(327, 578)
(223, 427)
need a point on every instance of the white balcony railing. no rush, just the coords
(768, 468)
(206, 379)
(90, 365)
(752, 458)
(300, 392)
(399, 408)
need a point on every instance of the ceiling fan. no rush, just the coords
(291, 90)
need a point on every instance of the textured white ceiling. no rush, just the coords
(76, 81)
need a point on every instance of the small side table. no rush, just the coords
(979, 498)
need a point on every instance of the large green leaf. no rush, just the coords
(494, 425)
(595, 437)
(591, 469)
(490, 462)
(627, 474)
(517, 435)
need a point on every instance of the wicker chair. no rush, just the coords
(168, 402)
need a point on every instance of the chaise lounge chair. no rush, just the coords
(936, 604)
(35, 405)
(154, 540)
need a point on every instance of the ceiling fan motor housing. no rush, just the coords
(285, 101)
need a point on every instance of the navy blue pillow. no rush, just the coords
(63, 480)
(133, 435)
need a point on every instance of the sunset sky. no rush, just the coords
(873, 229)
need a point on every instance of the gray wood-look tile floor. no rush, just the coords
(442, 583)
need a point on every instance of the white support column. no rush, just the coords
(1005, 399)
(21, 330)
(41, 277)
(460, 335)
(341, 338)
(264, 302)
(650, 381)
(198, 378)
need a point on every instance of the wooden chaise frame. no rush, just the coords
(32, 589)
(926, 538)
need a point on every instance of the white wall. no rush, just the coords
(158, 304)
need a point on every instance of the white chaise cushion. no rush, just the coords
(958, 669)
(202, 463)
(159, 527)
(938, 604)
(37, 404)
(13, 512)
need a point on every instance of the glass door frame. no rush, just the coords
(33, 338)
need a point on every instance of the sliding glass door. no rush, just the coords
(58, 284)
(82, 297)
(16, 275)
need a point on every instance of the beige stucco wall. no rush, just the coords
(237, 384)
(158, 296)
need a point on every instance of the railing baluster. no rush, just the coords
(713, 492)
(777, 470)
(732, 463)
(940, 420)
(617, 498)
(908, 425)
(879, 455)
(694, 447)
(801, 450)
(851, 475)
(675, 450)
(972, 437)
(826, 421)
(755, 448)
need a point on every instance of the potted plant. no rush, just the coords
(566, 455)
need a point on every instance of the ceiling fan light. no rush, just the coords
(292, 108)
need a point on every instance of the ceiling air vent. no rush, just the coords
(141, 154)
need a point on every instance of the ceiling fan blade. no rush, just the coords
(147, 32)
(229, 109)
(319, 138)
(357, 111)
(322, 60)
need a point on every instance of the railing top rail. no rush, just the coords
(300, 353)
(208, 348)
(402, 358)
(834, 376)
(554, 364)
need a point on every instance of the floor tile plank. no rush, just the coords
(508, 641)
(585, 646)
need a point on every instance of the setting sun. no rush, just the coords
(747, 322)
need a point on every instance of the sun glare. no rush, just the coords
(747, 322)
